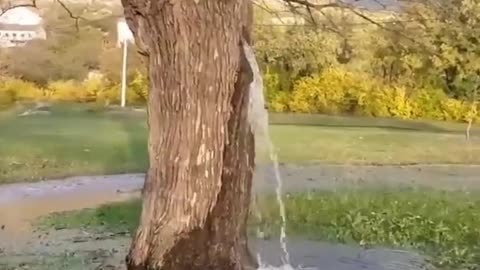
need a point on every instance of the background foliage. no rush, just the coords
(420, 63)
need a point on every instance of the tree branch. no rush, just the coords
(264, 7)
(33, 4)
(4, 9)
(310, 5)
(70, 13)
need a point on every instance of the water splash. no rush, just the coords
(282, 267)
(258, 121)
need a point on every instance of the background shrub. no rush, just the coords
(332, 91)
(428, 103)
(13, 90)
(336, 91)
(70, 91)
(138, 89)
(93, 88)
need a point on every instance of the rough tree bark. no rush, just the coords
(201, 149)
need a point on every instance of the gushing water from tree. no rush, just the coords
(258, 120)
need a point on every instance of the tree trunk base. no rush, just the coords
(196, 252)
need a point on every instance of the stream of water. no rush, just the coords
(258, 120)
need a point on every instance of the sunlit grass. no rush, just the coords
(441, 225)
(79, 140)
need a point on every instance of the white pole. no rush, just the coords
(124, 73)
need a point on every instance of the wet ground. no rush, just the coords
(76, 250)
(21, 248)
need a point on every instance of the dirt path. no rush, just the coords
(295, 178)
(331, 177)
(23, 202)
(20, 203)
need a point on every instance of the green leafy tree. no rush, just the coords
(451, 39)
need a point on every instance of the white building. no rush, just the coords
(20, 25)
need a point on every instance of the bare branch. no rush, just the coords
(33, 4)
(380, 4)
(333, 25)
(10, 6)
(310, 14)
(264, 7)
(308, 4)
(70, 13)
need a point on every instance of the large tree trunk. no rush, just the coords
(201, 150)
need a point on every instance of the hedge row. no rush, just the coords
(336, 91)
(93, 90)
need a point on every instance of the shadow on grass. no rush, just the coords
(119, 144)
(137, 142)
(369, 122)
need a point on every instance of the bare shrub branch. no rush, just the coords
(7, 5)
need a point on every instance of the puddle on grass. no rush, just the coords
(16, 216)
(73, 250)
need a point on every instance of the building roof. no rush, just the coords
(21, 16)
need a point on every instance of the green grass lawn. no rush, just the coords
(76, 140)
(70, 142)
(441, 225)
